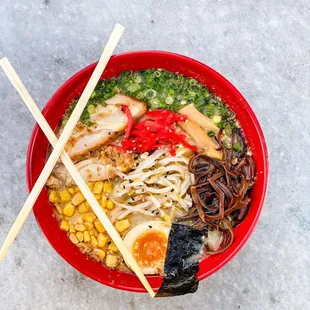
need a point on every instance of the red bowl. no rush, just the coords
(53, 112)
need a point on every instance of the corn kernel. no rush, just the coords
(68, 219)
(110, 205)
(112, 247)
(102, 240)
(94, 241)
(58, 208)
(73, 239)
(80, 236)
(86, 236)
(81, 245)
(104, 200)
(97, 197)
(100, 253)
(167, 218)
(77, 190)
(71, 190)
(80, 219)
(107, 187)
(80, 227)
(111, 261)
(89, 217)
(68, 210)
(53, 197)
(122, 225)
(99, 226)
(90, 185)
(89, 226)
(64, 225)
(95, 233)
(98, 187)
(65, 196)
(83, 208)
(87, 204)
(78, 198)
(72, 230)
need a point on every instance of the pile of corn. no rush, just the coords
(81, 224)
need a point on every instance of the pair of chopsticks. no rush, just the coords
(58, 151)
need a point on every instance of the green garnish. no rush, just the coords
(227, 129)
(91, 109)
(211, 134)
(210, 109)
(150, 94)
(64, 122)
(159, 89)
(155, 103)
(238, 146)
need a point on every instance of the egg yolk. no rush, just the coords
(150, 248)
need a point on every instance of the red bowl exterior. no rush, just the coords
(54, 110)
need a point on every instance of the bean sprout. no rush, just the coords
(158, 186)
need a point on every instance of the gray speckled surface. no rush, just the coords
(262, 47)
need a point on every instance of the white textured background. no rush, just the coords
(262, 47)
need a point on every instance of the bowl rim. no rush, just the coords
(252, 115)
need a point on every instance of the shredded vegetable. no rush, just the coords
(158, 130)
(158, 186)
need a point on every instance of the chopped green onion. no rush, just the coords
(160, 89)
(149, 80)
(211, 134)
(192, 93)
(103, 103)
(64, 122)
(217, 118)
(227, 145)
(238, 146)
(220, 124)
(150, 94)
(210, 107)
(85, 117)
(133, 87)
(169, 100)
(137, 78)
(192, 82)
(91, 109)
(140, 95)
(227, 130)
(154, 103)
(222, 109)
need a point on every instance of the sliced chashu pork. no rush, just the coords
(108, 123)
(101, 166)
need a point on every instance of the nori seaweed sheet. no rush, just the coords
(181, 263)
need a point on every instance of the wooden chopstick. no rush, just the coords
(75, 116)
(17, 83)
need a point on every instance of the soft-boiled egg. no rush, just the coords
(148, 243)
